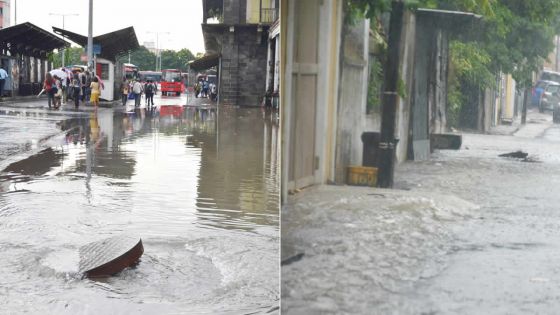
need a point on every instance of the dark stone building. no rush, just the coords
(236, 42)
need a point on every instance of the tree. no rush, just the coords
(515, 37)
(71, 57)
(141, 57)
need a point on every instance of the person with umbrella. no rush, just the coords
(62, 76)
(49, 87)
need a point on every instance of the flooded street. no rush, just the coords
(197, 184)
(467, 232)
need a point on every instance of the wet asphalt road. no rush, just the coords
(199, 185)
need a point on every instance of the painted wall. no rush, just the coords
(351, 108)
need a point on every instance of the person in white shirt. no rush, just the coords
(137, 89)
(3, 77)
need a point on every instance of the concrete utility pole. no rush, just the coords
(386, 162)
(90, 37)
(63, 16)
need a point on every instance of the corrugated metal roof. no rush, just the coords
(30, 40)
(112, 44)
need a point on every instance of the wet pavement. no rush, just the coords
(467, 232)
(198, 184)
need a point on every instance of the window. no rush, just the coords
(104, 71)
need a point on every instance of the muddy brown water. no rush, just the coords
(198, 185)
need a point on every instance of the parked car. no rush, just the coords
(547, 75)
(537, 92)
(550, 97)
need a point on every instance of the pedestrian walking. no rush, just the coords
(57, 97)
(63, 86)
(87, 89)
(205, 88)
(3, 77)
(150, 89)
(125, 89)
(196, 89)
(49, 87)
(76, 88)
(137, 90)
(95, 91)
(213, 92)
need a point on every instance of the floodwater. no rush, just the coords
(466, 232)
(198, 185)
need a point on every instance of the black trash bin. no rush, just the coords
(370, 141)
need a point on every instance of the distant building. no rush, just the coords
(4, 13)
(151, 46)
(236, 38)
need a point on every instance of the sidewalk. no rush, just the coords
(32, 101)
(355, 249)
(536, 124)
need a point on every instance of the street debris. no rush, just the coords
(292, 259)
(517, 155)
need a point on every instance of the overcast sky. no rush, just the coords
(181, 18)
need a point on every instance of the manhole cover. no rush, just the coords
(109, 256)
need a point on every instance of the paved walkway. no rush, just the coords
(536, 124)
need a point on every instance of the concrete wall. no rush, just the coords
(243, 66)
(408, 44)
(235, 11)
(352, 98)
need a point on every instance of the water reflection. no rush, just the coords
(233, 154)
(200, 187)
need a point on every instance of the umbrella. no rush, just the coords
(59, 73)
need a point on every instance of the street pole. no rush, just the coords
(386, 162)
(90, 37)
(63, 28)
(158, 52)
(524, 108)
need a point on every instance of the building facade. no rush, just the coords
(5, 13)
(236, 32)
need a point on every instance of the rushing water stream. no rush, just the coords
(199, 186)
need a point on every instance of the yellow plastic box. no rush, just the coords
(362, 176)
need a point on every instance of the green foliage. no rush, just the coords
(471, 63)
(141, 57)
(455, 101)
(170, 59)
(375, 83)
(71, 57)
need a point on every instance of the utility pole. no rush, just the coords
(63, 16)
(158, 53)
(386, 162)
(90, 37)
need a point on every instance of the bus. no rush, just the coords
(155, 76)
(130, 71)
(144, 76)
(171, 82)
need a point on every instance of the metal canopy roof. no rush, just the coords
(30, 40)
(112, 44)
(205, 62)
(455, 20)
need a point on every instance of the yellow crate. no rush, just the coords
(362, 176)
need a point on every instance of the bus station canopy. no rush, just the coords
(29, 40)
(112, 44)
(205, 62)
